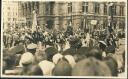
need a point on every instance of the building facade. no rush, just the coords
(58, 15)
(10, 12)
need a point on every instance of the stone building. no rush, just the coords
(58, 15)
(10, 13)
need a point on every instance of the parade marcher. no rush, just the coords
(87, 39)
(67, 45)
(103, 46)
(40, 52)
(9, 40)
(5, 39)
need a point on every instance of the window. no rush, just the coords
(33, 5)
(69, 7)
(121, 10)
(105, 9)
(13, 19)
(37, 7)
(8, 8)
(114, 10)
(29, 5)
(85, 7)
(96, 7)
(23, 9)
(51, 8)
(9, 19)
(50, 24)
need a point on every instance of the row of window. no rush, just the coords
(13, 19)
(85, 8)
(29, 7)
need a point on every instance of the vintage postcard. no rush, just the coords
(64, 39)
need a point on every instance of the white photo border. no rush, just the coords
(5, 76)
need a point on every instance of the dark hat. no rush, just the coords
(50, 52)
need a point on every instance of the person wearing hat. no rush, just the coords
(87, 39)
(26, 59)
(29, 68)
(40, 54)
(32, 48)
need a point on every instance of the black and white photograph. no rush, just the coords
(64, 38)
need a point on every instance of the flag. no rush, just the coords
(34, 21)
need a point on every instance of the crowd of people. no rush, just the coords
(59, 53)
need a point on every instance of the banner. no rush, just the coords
(34, 24)
(93, 22)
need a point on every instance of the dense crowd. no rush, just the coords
(59, 53)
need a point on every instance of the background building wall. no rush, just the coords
(59, 13)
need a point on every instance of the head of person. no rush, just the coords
(91, 67)
(27, 59)
(62, 68)
(95, 52)
(9, 58)
(32, 48)
(50, 52)
(46, 67)
(35, 70)
(112, 64)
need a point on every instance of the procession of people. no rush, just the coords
(62, 53)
